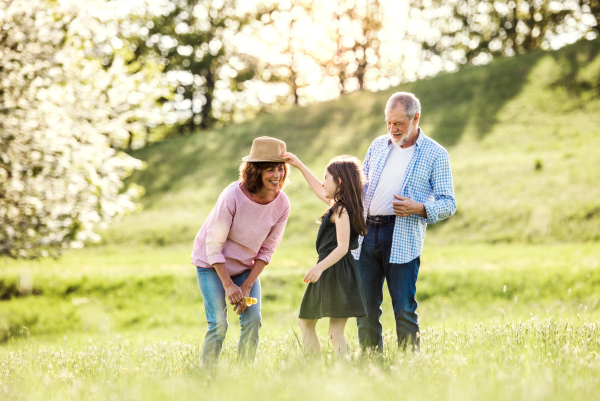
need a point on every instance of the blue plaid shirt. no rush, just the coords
(428, 180)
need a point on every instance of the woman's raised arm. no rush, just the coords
(312, 180)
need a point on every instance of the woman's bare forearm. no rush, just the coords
(223, 274)
(259, 266)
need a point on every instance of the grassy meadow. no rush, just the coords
(531, 360)
(497, 321)
(508, 291)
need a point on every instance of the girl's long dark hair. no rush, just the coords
(350, 180)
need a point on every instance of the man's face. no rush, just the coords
(399, 126)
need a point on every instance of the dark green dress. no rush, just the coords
(338, 292)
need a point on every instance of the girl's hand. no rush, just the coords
(293, 159)
(312, 275)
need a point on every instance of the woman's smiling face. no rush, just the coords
(329, 185)
(271, 176)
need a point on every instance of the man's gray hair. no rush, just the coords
(409, 102)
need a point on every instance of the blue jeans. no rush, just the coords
(375, 267)
(215, 305)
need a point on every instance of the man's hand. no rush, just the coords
(312, 275)
(234, 294)
(405, 207)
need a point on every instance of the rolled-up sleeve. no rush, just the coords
(444, 203)
(218, 226)
(274, 238)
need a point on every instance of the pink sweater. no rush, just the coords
(238, 231)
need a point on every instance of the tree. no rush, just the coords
(475, 31)
(290, 58)
(355, 28)
(593, 8)
(320, 49)
(59, 176)
(195, 41)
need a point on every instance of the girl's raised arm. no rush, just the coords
(312, 180)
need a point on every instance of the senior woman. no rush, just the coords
(237, 241)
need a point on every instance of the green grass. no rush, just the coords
(152, 292)
(548, 359)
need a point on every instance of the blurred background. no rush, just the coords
(122, 121)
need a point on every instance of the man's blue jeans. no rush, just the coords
(375, 267)
(215, 305)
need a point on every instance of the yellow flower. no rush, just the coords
(250, 301)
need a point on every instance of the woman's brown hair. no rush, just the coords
(251, 175)
(350, 180)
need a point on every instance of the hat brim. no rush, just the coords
(248, 159)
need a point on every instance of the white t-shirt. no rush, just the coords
(390, 182)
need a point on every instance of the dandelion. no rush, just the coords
(250, 301)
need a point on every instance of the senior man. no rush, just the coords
(409, 185)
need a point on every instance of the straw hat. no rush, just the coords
(266, 149)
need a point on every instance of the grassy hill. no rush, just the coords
(523, 136)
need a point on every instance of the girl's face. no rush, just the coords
(329, 185)
(271, 177)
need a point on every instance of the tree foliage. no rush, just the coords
(475, 31)
(195, 41)
(355, 28)
(291, 55)
(318, 47)
(60, 111)
(226, 61)
(593, 8)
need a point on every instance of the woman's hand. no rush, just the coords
(234, 294)
(292, 159)
(245, 288)
(313, 274)
(242, 306)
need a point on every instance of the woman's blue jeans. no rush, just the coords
(215, 305)
(374, 267)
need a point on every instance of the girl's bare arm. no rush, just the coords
(312, 180)
(342, 231)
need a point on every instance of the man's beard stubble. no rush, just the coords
(404, 138)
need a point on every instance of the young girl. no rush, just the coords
(334, 288)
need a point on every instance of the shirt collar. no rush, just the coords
(420, 139)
